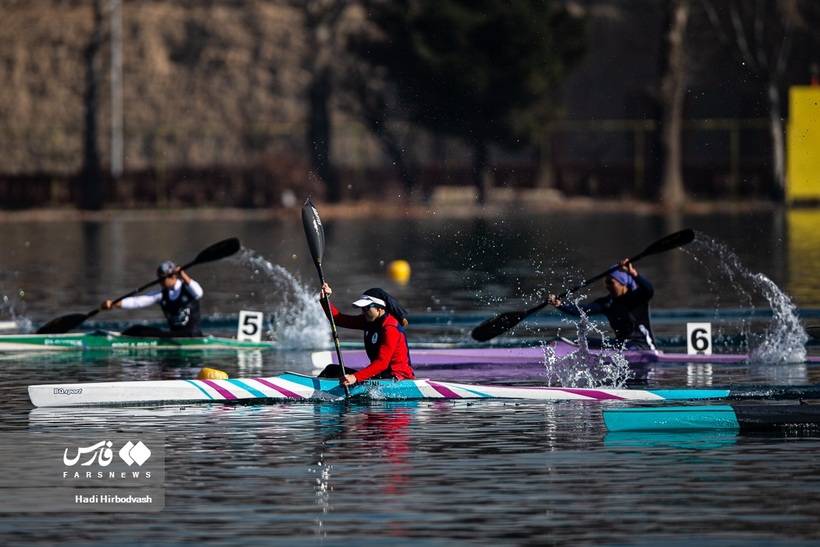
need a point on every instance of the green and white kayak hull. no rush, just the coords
(103, 340)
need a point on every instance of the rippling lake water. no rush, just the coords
(424, 472)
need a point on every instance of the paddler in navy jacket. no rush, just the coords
(626, 306)
(178, 298)
(382, 319)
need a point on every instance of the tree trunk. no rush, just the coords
(90, 178)
(407, 173)
(320, 18)
(673, 94)
(778, 145)
(776, 126)
(369, 102)
(481, 178)
(319, 133)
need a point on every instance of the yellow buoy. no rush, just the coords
(211, 374)
(399, 271)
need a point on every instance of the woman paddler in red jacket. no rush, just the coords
(385, 342)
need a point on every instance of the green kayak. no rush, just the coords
(110, 340)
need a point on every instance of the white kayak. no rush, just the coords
(298, 387)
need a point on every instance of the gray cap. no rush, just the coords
(166, 268)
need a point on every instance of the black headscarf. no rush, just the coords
(391, 304)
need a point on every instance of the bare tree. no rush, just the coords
(90, 177)
(321, 18)
(762, 33)
(674, 82)
(369, 99)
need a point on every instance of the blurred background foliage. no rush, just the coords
(247, 103)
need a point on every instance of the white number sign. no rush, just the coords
(699, 338)
(250, 326)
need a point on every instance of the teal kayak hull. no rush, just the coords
(736, 417)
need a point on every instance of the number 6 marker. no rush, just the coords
(699, 338)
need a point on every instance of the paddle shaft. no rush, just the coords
(333, 328)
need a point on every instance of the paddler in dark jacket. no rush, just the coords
(626, 306)
(178, 298)
(382, 319)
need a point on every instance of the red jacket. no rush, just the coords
(384, 341)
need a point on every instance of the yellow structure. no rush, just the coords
(804, 256)
(803, 145)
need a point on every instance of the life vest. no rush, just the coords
(183, 313)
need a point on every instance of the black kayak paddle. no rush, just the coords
(315, 234)
(65, 323)
(502, 323)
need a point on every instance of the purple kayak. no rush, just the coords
(529, 356)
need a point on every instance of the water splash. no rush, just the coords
(292, 308)
(584, 368)
(783, 340)
(15, 311)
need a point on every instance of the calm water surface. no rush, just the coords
(432, 473)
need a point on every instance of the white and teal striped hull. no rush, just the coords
(299, 387)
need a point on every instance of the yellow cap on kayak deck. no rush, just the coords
(211, 374)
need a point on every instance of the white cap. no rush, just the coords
(366, 300)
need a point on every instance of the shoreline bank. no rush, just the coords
(369, 208)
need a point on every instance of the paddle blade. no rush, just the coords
(497, 325)
(59, 325)
(813, 331)
(672, 241)
(314, 232)
(218, 251)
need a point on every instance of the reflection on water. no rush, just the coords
(803, 252)
(373, 470)
(542, 473)
(699, 374)
(682, 440)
